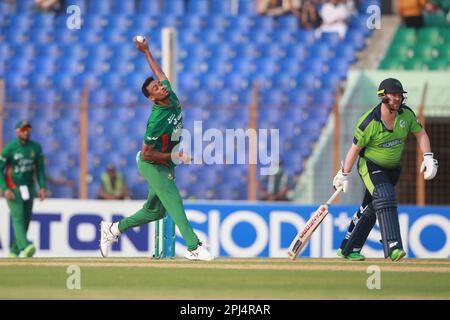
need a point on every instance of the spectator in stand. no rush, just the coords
(275, 187)
(306, 11)
(411, 12)
(334, 16)
(272, 7)
(49, 5)
(113, 185)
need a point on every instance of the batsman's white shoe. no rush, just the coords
(109, 233)
(201, 253)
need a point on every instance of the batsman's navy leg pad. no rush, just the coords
(361, 231)
(385, 205)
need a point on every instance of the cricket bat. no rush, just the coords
(302, 238)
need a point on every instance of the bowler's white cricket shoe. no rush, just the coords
(109, 233)
(201, 253)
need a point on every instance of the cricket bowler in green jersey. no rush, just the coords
(20, 160)
(379, 141)
(156, 163)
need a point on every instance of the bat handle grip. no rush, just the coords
(334, 196)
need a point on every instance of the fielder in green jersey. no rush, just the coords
(20, 160)
(156, 162)
(379, 141)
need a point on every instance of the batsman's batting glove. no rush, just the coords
(429, 166)
(341, 180)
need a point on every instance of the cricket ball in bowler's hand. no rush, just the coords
(140, 38)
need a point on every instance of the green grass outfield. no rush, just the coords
(144, 278)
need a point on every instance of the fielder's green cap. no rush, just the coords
(23, 123)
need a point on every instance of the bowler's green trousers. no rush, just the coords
(21, 212)
(163, 196)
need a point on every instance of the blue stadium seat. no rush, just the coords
(265, 66)
(288, 23)
(216, 65)
(23, 51)
(314, 66)
(16, 36)
(246, 7)
(332, 39)
(111, 80)
(95, 65)
(298, 97)
(299, 51)
(123, 97)
(17, 79)
(65, 36)
(346, 51)
(82, 4)
(40, 79)
(222, 98)
(260, 36)
(88, 37)
(323, 97)
(43, 21)
(356, 38)
(100, 7)
(240, 22)
(150, 8)
(329, 81)
(19, 65)
(125, 7)
(248, 51)
(210, 36)
(19, 21)
(283, 37)
(45, 50)
(242, 65)
(44, 65)
(235, 81)
(99, 98)
(216, 22)
(174, 7)
(264, 23)
(199, 7)
(5, 51)
(188, 37)
(167, 21)
(90, 21)
(63, 80)
(306, 37)
(360, 23)
(306, 80)
(119, 21)
(290, 66)
(135, 80)
(6, 7)
(191, 22)
(221, 7)
(70, 96)
(273, 98)
(236, 37)
(339, 66)
(222, 51)
(320, 51)
(366, 3)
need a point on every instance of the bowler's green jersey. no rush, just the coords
(380, 145)
(19, 162)
(162, 123)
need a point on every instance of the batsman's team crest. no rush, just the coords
(170, 176)
(402, 123)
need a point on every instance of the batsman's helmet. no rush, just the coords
(390, 85)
